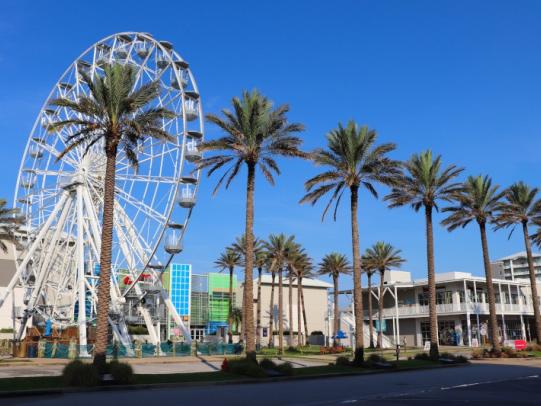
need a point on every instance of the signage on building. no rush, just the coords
(520, 345)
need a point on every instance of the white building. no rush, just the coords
(515, 267)
(462, 308)
(7, 270)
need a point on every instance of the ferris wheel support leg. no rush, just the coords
(44, 268)
(20, 269)
(81, 319)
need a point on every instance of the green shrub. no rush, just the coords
(533, 347)
(245, 366)
(285, 369)
(373, 358)
(508, 352)
(78, 373)
(267, 363)
(122, 373)
(460, 359)
(422, 356)
(478, 353)
(343, 361)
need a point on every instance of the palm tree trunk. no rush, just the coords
(271, 312)
(336, 321)
(299, 331)
(249, 260)
(258, 310)
(230, 310)
(533, 281)
(370, 318)
(380, 309)
(290, 321)
(433, 317)
(490, 291)
(357, 289)
(104, 287)
(280, 312)
(304, 313)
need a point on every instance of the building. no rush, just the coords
(515, 267)
(462, 309)
(315, 302)
(11, 307)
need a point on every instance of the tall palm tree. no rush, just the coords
(278, 247)
(354, 162)
(228, 260)
(520, 206)
(113, 116)
(369, 273)
(260, 261)
(301, 266)
(478, 201)
(9, 226)
(422, 185)
(293, 253)
(382, 256)
(254, 134)
(334, 265)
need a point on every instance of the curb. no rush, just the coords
(135, 387)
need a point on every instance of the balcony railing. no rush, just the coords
(473, 308)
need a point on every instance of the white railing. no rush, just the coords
(473, 308)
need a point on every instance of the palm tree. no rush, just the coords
(278, 247)
(520, 206)
(228, 260)
(236, 317)
(301, 266)
(9, 226)
(382, 256)
(422, 185)
(369, 273)
(293, 253)
(354, 162)
(334, 265)
(114, 116)
(478, 201)
(255, 133)
(260, 261)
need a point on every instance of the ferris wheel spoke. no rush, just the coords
(144, 208)
(147, 178)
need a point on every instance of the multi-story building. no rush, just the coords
(515, 267)
(462, 309)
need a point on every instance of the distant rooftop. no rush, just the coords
(315, 283)
(521, 254)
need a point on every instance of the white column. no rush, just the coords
(467, 304)
(81, 318)
(476, 310)
(397, 316)
(502, 307)
(521, 309)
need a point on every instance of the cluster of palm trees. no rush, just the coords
(255, 132)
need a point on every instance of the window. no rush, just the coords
(423, 299)
(444, 297)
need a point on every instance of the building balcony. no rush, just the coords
(416, 310)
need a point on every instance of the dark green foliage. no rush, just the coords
(343, 361)
(247, 367)
(137, 330)
(78, 373)
(122, 373)
(267, 363)
(422, 356)
(460, 359)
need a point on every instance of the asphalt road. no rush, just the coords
(478, 383)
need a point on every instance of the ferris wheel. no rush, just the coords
(61, 200)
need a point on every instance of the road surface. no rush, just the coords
(480, 383)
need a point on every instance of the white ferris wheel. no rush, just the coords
(62, 200)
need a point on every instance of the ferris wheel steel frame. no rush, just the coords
(62, 199)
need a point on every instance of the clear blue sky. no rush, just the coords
(459, 77)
